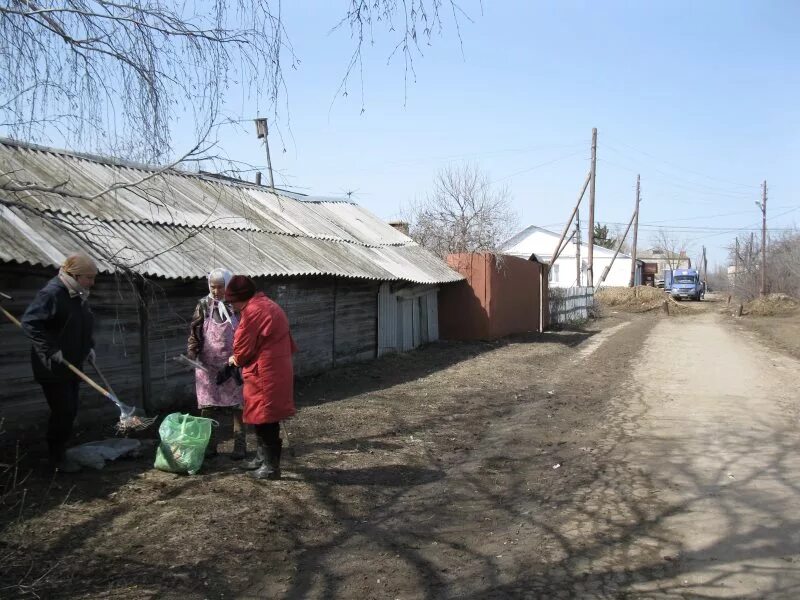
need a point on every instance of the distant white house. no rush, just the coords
(535, 243)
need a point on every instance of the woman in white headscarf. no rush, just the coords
(211, 343)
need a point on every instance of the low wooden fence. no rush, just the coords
(570, 305)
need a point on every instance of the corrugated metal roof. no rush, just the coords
(179, 225)
(176, 198)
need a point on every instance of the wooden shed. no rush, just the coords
(353, 286)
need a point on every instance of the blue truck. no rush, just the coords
(686, 284)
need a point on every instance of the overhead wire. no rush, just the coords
(539, 166)
(681, 168)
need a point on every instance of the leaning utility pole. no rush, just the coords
(763, 206)
(578, 246)
(736, 265)
(561, 245)
(619, 247)
(593, 175)
(635, 236)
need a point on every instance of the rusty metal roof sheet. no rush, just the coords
(176, 225)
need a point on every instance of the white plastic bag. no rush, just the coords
(95, 454)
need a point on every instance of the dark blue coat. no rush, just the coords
(53, 322)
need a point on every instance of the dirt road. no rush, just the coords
(646, 457)
(687, 485)
(712, 418)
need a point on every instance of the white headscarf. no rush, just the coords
(73, 287)
(225, 276)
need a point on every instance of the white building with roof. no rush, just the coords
(536, 243)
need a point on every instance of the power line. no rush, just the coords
(681, 168)
(693, 187)
(729, 214)
(544, 164)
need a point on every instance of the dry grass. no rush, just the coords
(636, 299)
(773, 305)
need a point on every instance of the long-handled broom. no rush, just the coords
(130, 417)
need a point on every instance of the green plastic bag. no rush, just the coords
(183, 443)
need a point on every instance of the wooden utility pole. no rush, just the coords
(578, 247)
(262, 131)
(736, 265)
(635, 235)
(592, 179)
(763, 205)
(705, 264)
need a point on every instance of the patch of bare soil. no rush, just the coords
(775, 319)
(779, 332)
(443, 472)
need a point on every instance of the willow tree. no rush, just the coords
(118, 77)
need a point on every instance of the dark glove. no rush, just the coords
(227, 372)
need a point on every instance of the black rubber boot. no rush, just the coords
(211, 448)
(239, 447)
(258, 461)
(271, 469)
(239, 436)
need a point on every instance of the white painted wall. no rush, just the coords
(564, 273)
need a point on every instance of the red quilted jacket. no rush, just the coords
(263, 347)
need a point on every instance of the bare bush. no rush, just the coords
(671, 248)
(463, 213)
(783, 266)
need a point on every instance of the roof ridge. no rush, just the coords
(113, 161)
(254, 229)
(98, 158)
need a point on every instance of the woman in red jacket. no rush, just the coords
(263, 348)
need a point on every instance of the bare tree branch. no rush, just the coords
(118, 74)
(463, 213)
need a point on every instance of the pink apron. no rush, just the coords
(217, 348)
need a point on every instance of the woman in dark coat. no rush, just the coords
(60, 325)
(263, 348)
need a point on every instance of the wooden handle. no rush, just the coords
(85, 377)
(103, 377)
(11, 317)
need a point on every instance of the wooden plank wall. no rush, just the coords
(309, 306)
(22, 404)
(333, 322)
(170, 305)
(356, 321)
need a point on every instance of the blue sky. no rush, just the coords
(701, 98)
